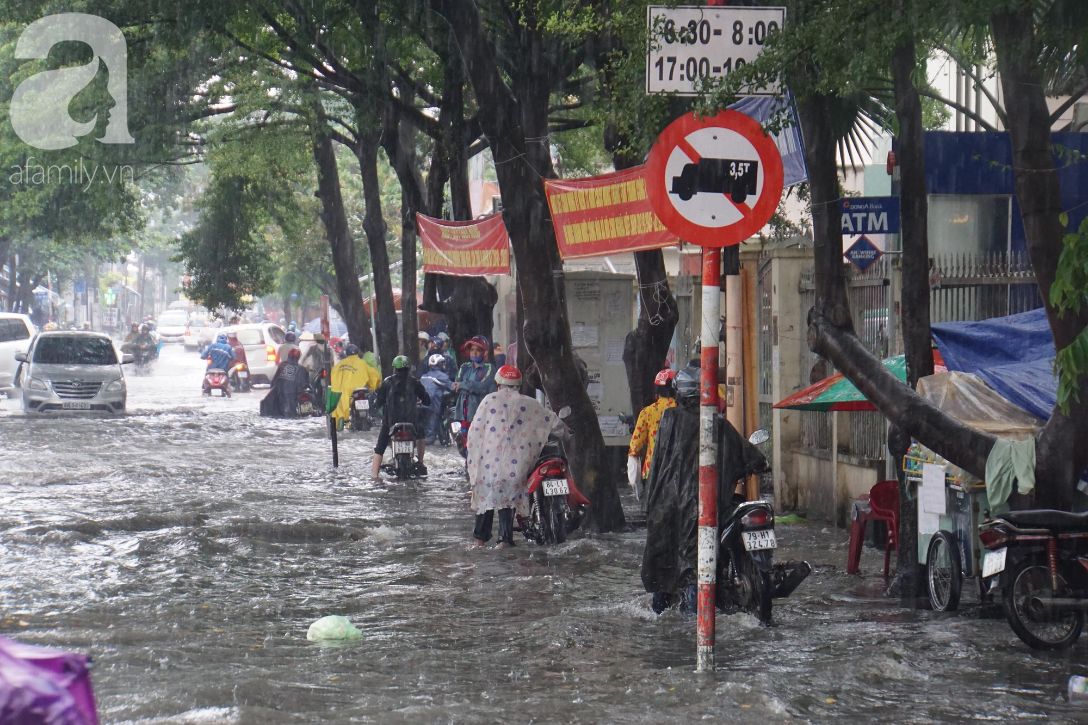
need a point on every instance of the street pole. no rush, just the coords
(708, 460)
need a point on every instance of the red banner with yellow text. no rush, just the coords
(467, 249)
(605, 215)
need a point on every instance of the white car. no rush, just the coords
(171, 325)
(193, 333)
(261, 341)
(16, 332)
(73, 371)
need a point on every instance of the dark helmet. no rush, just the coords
(686, 383)
(350, 350)
(290, 336)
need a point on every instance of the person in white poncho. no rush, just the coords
(506, 437)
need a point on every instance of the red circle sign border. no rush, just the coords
(761, 213)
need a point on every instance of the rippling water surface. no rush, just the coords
(188, 546)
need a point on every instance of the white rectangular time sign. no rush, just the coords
(692, 42)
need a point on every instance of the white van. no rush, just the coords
(16, 332)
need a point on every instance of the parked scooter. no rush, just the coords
(403, 437)
(556, 506)
(361, 419)
(216, 380)
(747, 577)
(1038, 560)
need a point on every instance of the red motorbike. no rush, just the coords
(556, 506)
(216, 379)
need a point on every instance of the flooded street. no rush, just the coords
(188, 546)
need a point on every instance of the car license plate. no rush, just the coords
(556, 487)
(362, 405)
(400, 447)
(756, 540)
(994, 562)
(306, 409)
(75, 405)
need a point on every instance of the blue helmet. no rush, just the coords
(221, 337)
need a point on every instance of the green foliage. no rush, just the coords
(1068, 293)
(225, 254)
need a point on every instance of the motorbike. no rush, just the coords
(403, 436)
(1038, 561)
(239, 377)
(556, 505)
(747, 577)
(446, 423)
(215, 379)
(304, 403)
(361, 419)
(319, 383)
(142, 355)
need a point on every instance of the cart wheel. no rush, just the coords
(944, 575)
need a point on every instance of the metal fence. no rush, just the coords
(981, 286)
(963, 287)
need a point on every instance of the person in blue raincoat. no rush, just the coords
(475, 379)
(437, 383)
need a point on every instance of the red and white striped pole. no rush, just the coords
(708, 459)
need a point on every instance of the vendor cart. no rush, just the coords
(948, 543)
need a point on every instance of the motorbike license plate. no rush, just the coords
(400, 447)
(994, 562)
(306, 409)
(362, 405)
(556, 487)
(75, 405)
(756, 540)
(243, 374)
(455, 426)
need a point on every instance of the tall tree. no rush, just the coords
(514, 117)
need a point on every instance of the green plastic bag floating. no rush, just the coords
(331, 628)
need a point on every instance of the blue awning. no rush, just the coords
(1014, 355)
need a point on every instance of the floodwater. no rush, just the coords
(188, 546)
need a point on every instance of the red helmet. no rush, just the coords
(294, 353)
(508, 375)
(664, 377)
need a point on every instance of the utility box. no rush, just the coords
(601, 310)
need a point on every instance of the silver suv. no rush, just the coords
(71, 371)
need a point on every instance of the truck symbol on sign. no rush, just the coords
(735, 177)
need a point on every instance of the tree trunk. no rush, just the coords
(468, 303)
(1061, 451)
(647, 346)
(374, 227)
(914, 206)
(338, 235)
(915, 318)
(520, 167)
(830, 329)
(399, 144)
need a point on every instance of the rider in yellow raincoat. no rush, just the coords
(348, 375)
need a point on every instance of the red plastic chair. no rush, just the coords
(880, 504)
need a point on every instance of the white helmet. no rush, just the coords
(436, 361)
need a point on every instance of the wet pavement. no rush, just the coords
(188, 546)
